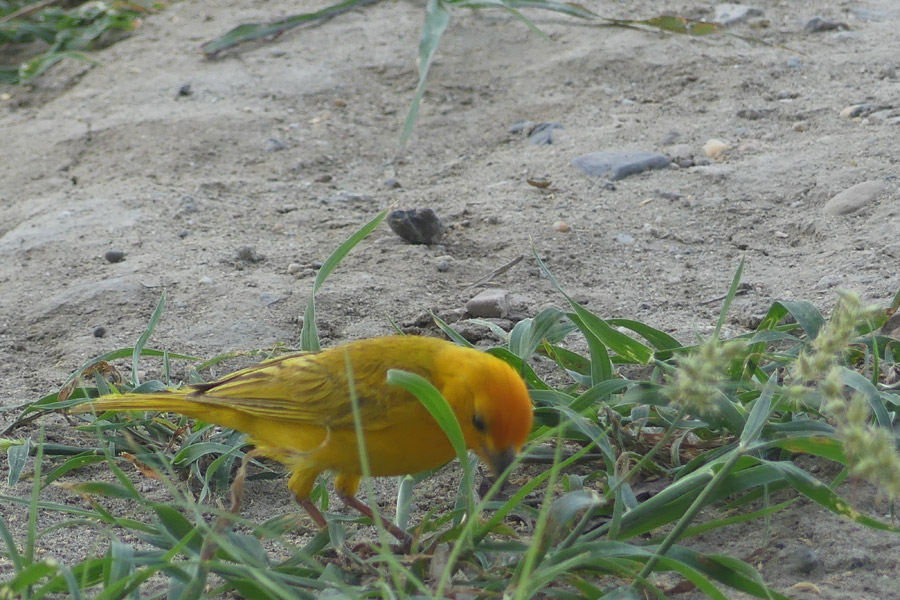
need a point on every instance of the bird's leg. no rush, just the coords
(403, 537)
(314, 513)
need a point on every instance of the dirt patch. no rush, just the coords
(283, 147)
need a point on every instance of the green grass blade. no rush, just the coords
(145, 337)
(309, 335)
(256, 31)
(437, 18)
(729, 297)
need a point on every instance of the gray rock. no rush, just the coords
(827, 281)
(248, 254)
(682, 155)
(624, 238)
(491, 303)
(854, 198)
(817, 24)
(417, 226)
(670, 138)
(114, 256)
(268, 298)
(542, 134)
(100, 331)
(800, 558)
(856, 110)
(521, 126)
(615, 165)
(730, 14)
(794, 62)
(345, 196)
(273, 145)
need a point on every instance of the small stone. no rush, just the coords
(326, 178)
(417, 226)
(856, 110)
(624, 238)
(731, 14)
(754, 114)
(183, 234)
(294, 268)
(268, 298)
(345, 196)
(248, 254)
(521, 126)
(114, 256)
(99, 332)
(800, 558)
(542, 134)
(858, 559)
(794, 63)
(682, 155)
(827, 281)
(205, 280)
(714, 148)
(442, 266)
(854, 198)
(184, 90)
(392, 183)
(817, 24)
(800, 126)
(273, 145)
(562, 227)
(615, 165)
(489, 303)
(670, 138)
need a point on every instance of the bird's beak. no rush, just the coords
(499, 460)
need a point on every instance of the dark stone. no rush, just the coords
(417, 226)
(542, 134)
(99, 332)
(617, 165)
(114, 256)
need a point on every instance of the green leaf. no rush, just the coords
(16, 457)
(309, 335)
(436, 20)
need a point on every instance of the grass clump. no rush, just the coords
(53, 33)
(727, 417)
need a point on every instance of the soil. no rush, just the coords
(285, 147)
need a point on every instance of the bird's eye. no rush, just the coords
(478, 423)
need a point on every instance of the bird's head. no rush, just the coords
(497, 420)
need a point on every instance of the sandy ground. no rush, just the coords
(283, 146)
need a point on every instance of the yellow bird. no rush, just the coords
(297, 410)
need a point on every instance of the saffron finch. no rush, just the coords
(297, 410)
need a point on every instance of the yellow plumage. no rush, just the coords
(297, 409)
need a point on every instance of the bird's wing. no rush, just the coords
(311, 389)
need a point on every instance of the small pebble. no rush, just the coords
(114, 256)
(542, 134)
(248, 254)
(184, 90)
(624, 238)
(273, 145)
(294, 268)
(856, 110)
(817, 24)
(855, 197)
(615, 165)
(326, 178)
(205, 280)
(800, 558)
(442, 266)
(392, 183)
(417, 226)
(714, 148)
(99, 332)
(489, 303)
(182, 234)
(562, 227)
